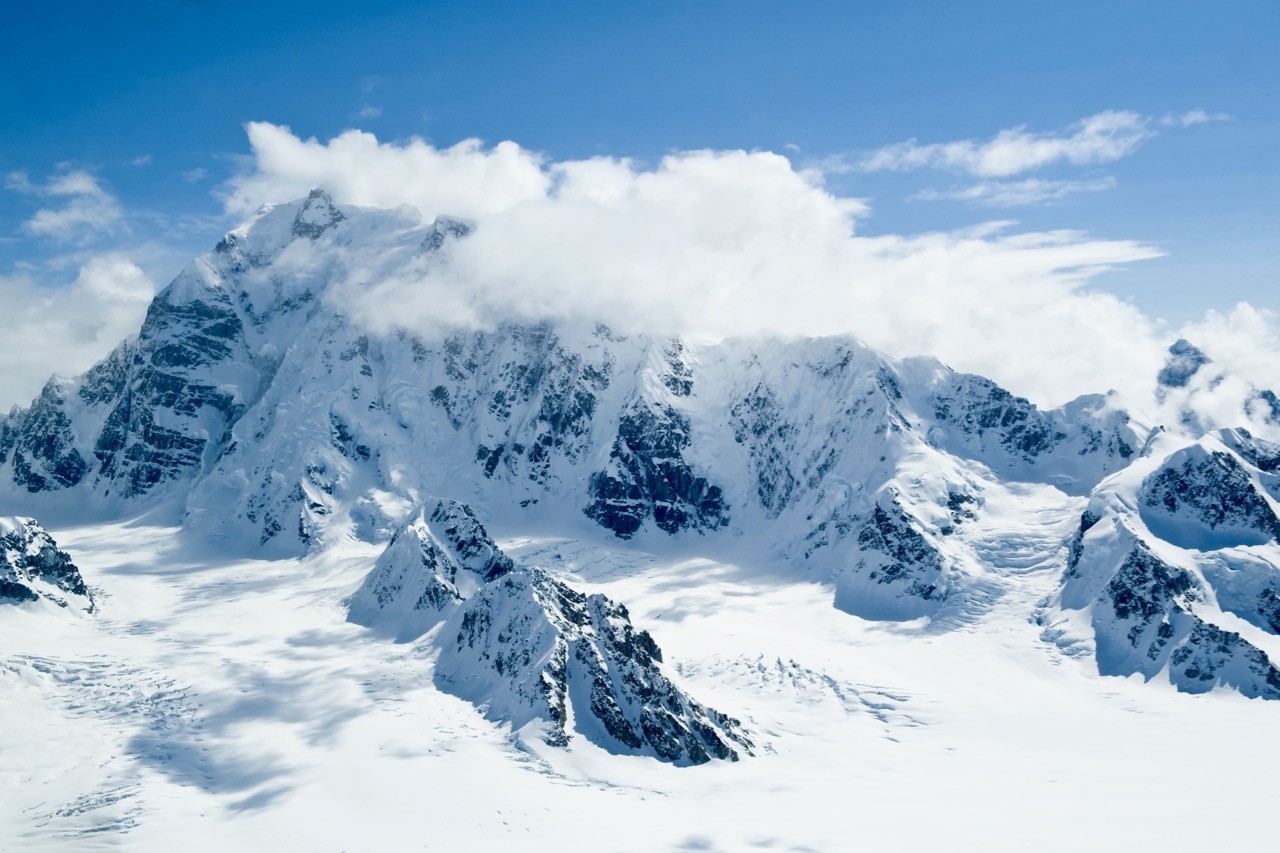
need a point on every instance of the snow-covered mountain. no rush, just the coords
(672, 521)
(283, 424)
(1176, 566)
(531, 650)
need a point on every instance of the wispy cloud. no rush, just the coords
(1014, 193)
(1192, 118)
(1101, 138)
(141, 160)
(369, 112)
(195, 175)
(87, 209)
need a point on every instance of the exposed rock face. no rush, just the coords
(172, 414)
(1145, 622)
(439, 557)
(1185, 359)
(898, 572)
(980, 408)
(530, 649)
(1161, 557)
(1073, 447)
(33, 567)
(1262, 455)
(527, 647)
(42, 444)
(1206, 499)
(648, 478)
(317, 216)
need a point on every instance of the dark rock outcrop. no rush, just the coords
(1202, 498)
(1184, 360)
(530, 649)
(33, 567)
(648, 478)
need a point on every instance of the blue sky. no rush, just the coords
(150, 99)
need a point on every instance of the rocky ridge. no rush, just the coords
(532, 651)
(34, 568)
(283, 423)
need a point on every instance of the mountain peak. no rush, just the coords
(317, 215)
(1185, 358)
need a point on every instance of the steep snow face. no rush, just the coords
(529, 649)
(287, 425)
(441, 556)
(1177, 565)
(33, 568)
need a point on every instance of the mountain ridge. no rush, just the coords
(283, 424)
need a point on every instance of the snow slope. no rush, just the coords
(229, 704)
(1175, 563)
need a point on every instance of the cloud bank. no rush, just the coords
(721, 243)
(465, 180)
(79, 208)
(71, 326)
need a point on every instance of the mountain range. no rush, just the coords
(258, 416)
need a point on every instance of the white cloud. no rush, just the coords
(1244, 350)
(1015, 193)
(141, 160)
(1192, 118)
(465, 180)
(192, 176)
(715, 244)
(66, 329)
(1101, 138)
(1244, 341)
(369, 112)
(88, 210)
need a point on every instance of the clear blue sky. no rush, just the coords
(104, 86)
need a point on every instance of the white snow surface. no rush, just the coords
(219, 704)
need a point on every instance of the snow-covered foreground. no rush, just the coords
(215, 704)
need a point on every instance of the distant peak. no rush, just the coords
(442, 229)
(317, 215)
(1185, 358)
